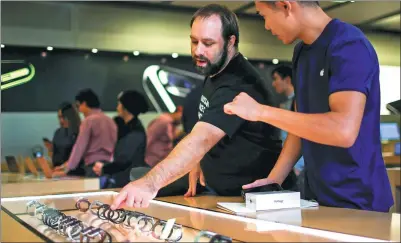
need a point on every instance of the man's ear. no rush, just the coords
(284, 5)
(231, 41)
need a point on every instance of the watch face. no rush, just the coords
(167, 87)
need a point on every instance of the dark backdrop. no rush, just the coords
(60, 74)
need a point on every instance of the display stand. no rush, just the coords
(194, 224)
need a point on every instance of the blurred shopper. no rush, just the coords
(97, 135)
(131, 146)
(161, 134)
(337, 124)
(282, 83)
(64, 137)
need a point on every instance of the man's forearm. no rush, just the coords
(180, 161)
(289, 156)
(327, 128)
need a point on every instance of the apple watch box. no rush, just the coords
(272, 200)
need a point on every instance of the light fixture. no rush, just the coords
(246, 58)
(2, 46)
(43, 54)
(174, 55)
(125, 58)
(49, 48)
(136, 53)
(275, 61)
(94, 50)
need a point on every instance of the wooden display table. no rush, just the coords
(385, 226)
(30, 228)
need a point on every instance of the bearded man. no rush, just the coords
(225, 152)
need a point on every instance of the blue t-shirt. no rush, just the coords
(352, 177)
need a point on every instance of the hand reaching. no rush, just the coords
(136, 194)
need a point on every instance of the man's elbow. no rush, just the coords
(347, 138)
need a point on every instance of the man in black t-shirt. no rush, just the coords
(230, 151)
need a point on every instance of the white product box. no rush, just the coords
(259, 201)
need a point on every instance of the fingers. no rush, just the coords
(138, 203)
(256, 183)
(121, 197)
(145, 203)
(191, 192)
(228, 108)
(202, 179)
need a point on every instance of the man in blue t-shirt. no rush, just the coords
(336, 126)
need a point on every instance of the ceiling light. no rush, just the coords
(275, 61)
(174, 55)
(2, 46)
(136, 53)
(246, 58)
(94, 50)
(49, 48)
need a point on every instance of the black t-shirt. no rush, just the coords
(249, 150)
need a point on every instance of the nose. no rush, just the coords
(199, 49)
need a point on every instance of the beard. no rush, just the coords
(211, 68)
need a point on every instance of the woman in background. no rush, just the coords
(64, 137)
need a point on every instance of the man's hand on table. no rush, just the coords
(136, 194)
(257, 183)
(193, 177)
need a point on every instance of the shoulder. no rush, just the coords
(243, 77)
(347, 37)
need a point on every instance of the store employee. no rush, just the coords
(338, 102)
(232, 151)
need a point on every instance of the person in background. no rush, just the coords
(161, 134)
(282, 83)
(64, 137)
(337, 124)
(131, 146)
(97, 136)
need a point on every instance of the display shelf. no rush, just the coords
(192, 220)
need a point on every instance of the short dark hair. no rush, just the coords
(229, 20)
(283, 71)
(303, 3)
(88, 96)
